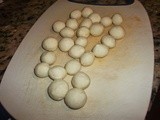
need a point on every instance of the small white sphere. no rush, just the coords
(86, 23)
(72, 67)
(100, 50)
(82, 41)
(48, 57)
(117, 19)
(109, 41)
(67, 32)
(65, 44)
(58, 89)
(86, 12)
(58, 26)
(106, 21)
(96, 29)
(80, 80)
(57, 72)
(76, 14)
(117, 32)
(95, 17)
(75, 98)
(72, 23)
(50, 44)
(83, 32)
(76, 51)
(87, 59)
(41, 70)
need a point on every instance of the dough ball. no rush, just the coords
(117, 32)
(75, 98)
(65, 44)
(83, 32)
(82, 41)
(58, 89)
(96, 29)
(58, 26)
(106, 21)
(50, 44)
(109, 41)
(86, 23)
(57, 72)
(86, 12)
(95, 17)
(100, 50)
(117, 19)
(76, 51)
(76, 14)
(48, 57)
(67, 32)
(80, 80)
(41, 70)
(72, 23)
(87, 59)
(72, 67)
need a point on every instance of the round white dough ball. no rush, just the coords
(82, 41)
(50, 44)
(57, 72)
(106, 21)
(41, 70)
(80, 80)
(109, 41)
(65, 44)
(48, 57)
(117, 32)
(76, 51)
(100, 50)
(86, 23)
(58, 26)
(67, 32)
(95, 17)
(75, 98)
(58, 89)
(83, 32)
(76, 14)
(72, 23)
(72, 67)
(87, 59)
(86, 12)
(117, 19)
(96, 29)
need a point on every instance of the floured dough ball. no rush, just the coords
(83, 32)
(109, 41)
(58, 26)
(86, 23)
(72, 23)
(86, 12)
(87, 59)
(117, 32)
(72, 67)
(76, 14)
(82, 41)
(117, 19)
(50, 44)
(96, 29)
(48, 57)
(67, 32)
(80, 80)
(57, 72)
(41, 70)
(95, 17)
(76, 51)
(58, 89)
(75, 98)
(100, 50)
(106, 21)
(65, 44)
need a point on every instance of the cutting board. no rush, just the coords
(121, 82)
